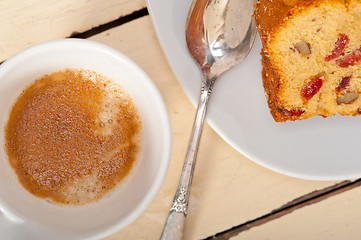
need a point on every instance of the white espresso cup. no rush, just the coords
(26, 216)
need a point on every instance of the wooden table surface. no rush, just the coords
(231, 197)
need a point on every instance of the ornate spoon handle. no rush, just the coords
(174, 227)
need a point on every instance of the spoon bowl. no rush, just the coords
(219, 35)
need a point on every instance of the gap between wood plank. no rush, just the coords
(115, 23)
(311, 198)
(104, 27)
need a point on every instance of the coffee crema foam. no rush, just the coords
(72, 136)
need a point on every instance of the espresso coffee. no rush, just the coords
(72, 136)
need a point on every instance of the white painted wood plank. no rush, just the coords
(23, 23)
(335, 218)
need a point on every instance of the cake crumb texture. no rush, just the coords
(311, 57)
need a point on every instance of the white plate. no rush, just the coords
(317, 148)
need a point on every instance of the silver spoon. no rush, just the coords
(219, 35)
